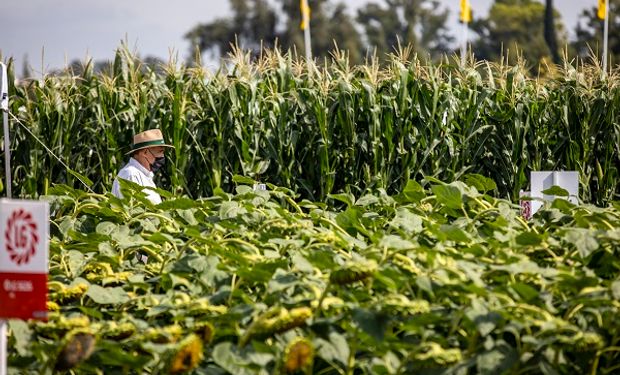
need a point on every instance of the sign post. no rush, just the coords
(4, 108)
(24, 233)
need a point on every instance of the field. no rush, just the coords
(438, 279)
(337, 129)
(388, 240)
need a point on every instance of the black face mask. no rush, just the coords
(158, 163)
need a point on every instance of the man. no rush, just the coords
(147, 157)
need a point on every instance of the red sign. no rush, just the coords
(24, 232)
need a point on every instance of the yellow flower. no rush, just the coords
(188, 356)
(205, 330)
(163, 335)
(298, 355)
(52, 306)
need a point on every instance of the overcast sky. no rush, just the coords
(52, 32)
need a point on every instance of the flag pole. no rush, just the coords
(464, 44)
(306, 22)
(606, 37)
(465, 18)
(4, 108)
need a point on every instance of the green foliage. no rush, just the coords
(339, 129)
(438, 279)
(259, 24)
(514, 30)
(589, 33)
(420, 23)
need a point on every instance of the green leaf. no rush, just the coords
(407, 221)
(480, 182)
(449, 196)
(281, 281)
(85, 180)
(22, 334)
(106, 228)
(225, 355)
(336, 349)
(238, 179)
(113, 354)
(583, 239)
(484, 320)
(395, 242)
(529, 239)
(526, 292)
(372, 322)
(557, 191)
(425, 284)
(107, 296)
(497, 361)
(231, 209)
(615, 289)
(413, 192)
(75, 261)
(345, 198)
(367, 200)
(349, 220)
(454, 233)
(302, 264)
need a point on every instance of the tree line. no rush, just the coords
(513, 29)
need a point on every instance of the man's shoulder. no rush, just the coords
(128, 170)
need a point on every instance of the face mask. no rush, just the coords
(158, 163)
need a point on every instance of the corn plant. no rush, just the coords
(321, 130)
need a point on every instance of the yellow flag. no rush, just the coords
(465, 11)
(305, 13)
(601, 9)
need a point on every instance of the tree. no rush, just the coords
(589, 32)
(253, 22)
(420, 23)
(256, 22)
(550, 34)
(330, 25)
(517, 28)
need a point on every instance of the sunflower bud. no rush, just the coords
(163, 335)
(434, 355)
(276, 320)
(119, 331)
(353, 272)
(406, 264)
(399, 304)
(59, 325)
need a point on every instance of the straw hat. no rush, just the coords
(146, 139)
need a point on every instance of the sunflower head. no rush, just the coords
(187, 356)
(77, 347)
(206, 331)
(298, 355)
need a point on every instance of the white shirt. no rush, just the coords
(135, 172)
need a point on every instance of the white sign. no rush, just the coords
(543, 180)
(24, 232)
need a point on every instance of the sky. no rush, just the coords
(52, 33)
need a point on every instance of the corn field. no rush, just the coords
(328, 129)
